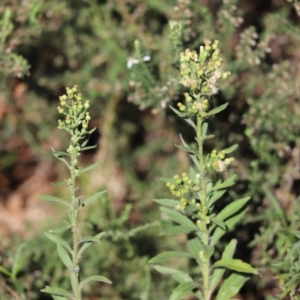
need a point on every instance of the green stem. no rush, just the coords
(75, 231)
(203, 198)
(202, 166)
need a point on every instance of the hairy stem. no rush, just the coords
(203, 197)
(75, 231)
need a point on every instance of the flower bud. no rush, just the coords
(215, 45)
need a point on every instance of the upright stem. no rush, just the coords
(75, 231)
(201, 161)
(203, 198)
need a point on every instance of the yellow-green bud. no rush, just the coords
(222, 154)
(215, 45)
(79, 97)
(225, 75)
(87, 117)
(199, 224)
(60, 109)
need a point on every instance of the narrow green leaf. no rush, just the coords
(56, 291)
(218, 222)
(235, 265)
(217, 109)
(192, 156)
(230, 149)
(58, 154)
(207, 137)
(5, 271)
(178, 217)
(60, 228)
(94, 278)
(172, 230)
(219, 272)
(95, 239)
(279, 211)
(84, 143)
(216, 196)
(169, 255)
(100, 235)
(290, 284)
(94, 198)
(58, 298)
(92, 130)
(139, 229)
(219, 232)
(18, 262)
(179, 276)
(87, 241)
(231, 286)
(178, 113)
(183, 289)
(88, 148)
(204, 128)
(208, 251)
(184, 143)
(19, 287)
(54, 199)
(186, 149)
(167, 202)
(191, 123)
(232, 208)
(57, 240)
(83, 248)
(195, 160)
(194, 246)
(91, 167)
(64, 256)
(227, 183)
(229, 249)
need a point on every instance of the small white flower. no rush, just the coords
(146, 58)
(133, 61)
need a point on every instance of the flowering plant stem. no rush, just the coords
(205, 234)
(193, 209)
(76, 233)
(75, 123)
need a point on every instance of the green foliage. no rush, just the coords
(12, 274)
(47, 45)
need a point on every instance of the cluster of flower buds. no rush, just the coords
(219, 161)
(181, 187)
(184, 188)
(200, 72)
(193, 105)
(75, 110)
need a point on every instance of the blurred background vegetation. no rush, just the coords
(48, 45)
